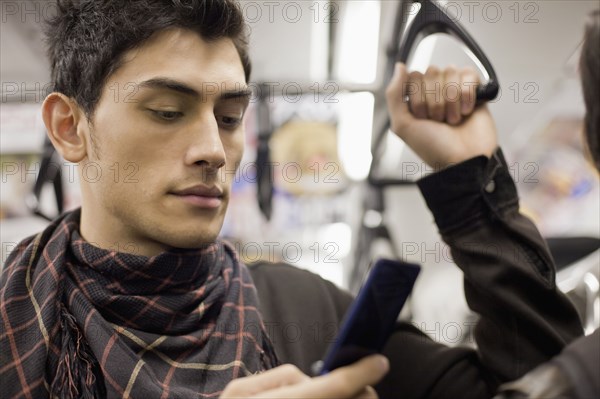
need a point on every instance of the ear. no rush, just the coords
(62, 116)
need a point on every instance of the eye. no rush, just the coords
(168, 116)
(229, 122)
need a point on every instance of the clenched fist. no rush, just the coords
(435, 114)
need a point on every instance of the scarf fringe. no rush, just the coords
(78, 372)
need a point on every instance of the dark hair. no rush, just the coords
(589, 66)
(87, 38)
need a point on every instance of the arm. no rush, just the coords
(509, 274)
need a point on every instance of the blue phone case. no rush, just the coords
(373, 314)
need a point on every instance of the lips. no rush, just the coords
(201, 196)
(201, 191)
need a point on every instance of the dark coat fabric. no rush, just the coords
(524, 320)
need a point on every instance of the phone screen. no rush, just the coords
(372, 315)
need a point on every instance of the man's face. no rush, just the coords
(165, 139)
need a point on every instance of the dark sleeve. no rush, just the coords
(580, 362)
(423, 368)
(509, 281)
(301, 311)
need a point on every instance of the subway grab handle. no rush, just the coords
(430, 20)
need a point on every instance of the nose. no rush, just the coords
(206, 148)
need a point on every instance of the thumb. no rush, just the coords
(342, 383)
(397, 91)
(367, 371)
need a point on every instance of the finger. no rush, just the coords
(451, 93)
(416, 96)
(469, 83)
(343, 383)
(284, 375)
(355, 377)
(434, 80)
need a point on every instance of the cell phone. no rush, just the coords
(370, 320)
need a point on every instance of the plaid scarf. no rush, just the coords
(80, 321)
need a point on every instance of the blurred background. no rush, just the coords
(319, 73)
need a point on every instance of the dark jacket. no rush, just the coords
(574, 373)
(509, 281)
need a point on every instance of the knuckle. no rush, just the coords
(432, 70)
(451, 71)
(290, 369)
(471, 77)
(415, 76)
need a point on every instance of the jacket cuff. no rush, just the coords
(462, 194)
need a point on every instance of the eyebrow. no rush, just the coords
(180, 87)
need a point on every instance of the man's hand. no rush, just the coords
(440, 121)
(287, 382)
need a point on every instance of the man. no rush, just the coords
(131, 296)
(134, 296)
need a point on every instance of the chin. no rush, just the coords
(185, 231)
(191, 240)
